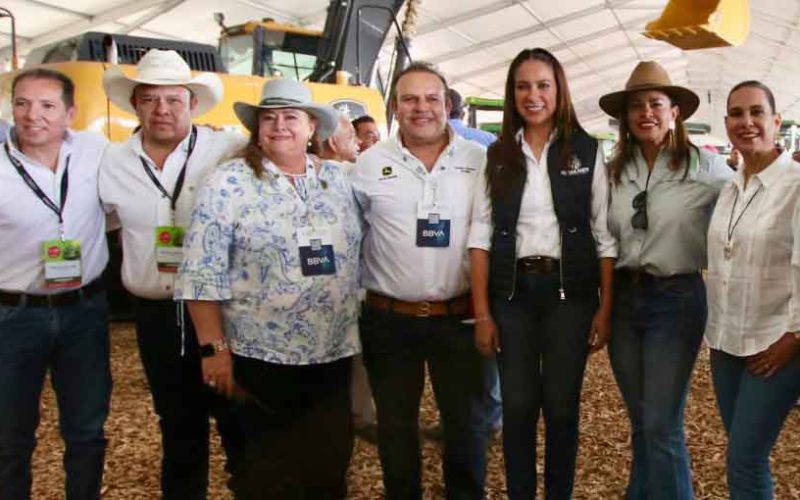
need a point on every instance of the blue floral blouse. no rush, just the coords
(242, 249)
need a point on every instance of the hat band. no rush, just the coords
(279, 101)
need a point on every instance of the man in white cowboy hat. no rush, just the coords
(53, 308)
(149, 182)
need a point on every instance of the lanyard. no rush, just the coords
(173, 199)
(731, 223)
(58, 210)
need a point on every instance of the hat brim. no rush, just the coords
(207, 88)
(326, 116)
(614, 104)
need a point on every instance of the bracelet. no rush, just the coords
(483, 318)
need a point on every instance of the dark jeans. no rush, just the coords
(298, 429)
(490, 411)
(183, 403)
(753, 411)
(544, 346)
(656, 333)
(396, 349)
(72, 343)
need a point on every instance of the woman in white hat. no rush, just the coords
(754, 292)
(663, 191)
(271, 262)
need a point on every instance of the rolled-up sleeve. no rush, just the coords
(480, 231)
(606, 243)
(205, 272)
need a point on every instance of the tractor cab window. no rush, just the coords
(266, 51)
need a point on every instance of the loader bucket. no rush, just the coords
(700, 24)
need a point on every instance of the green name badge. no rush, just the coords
(169, 248)
(62, 263)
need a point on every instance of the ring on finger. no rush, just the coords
(211, 383)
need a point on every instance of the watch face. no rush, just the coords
(207, 350)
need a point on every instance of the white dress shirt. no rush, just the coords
(537, 227)
(389, 183)
(753, 296)
(127, 190)
(26, 222)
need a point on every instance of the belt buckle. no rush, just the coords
(423, 309)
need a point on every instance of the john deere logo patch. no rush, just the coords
(386, 171)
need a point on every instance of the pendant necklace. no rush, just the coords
(728, 250)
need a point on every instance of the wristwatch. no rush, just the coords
(208, 350)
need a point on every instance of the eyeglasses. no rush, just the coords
(639, 219)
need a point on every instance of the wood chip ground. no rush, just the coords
(133, 458)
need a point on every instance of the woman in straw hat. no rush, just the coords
(663, 191)
(754, 292)
(540, 250)
(271, 261)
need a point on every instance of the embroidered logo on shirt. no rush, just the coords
(387, 174)
(465, 170)
(575, 167)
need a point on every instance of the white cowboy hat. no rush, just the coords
(162, 67)
(288, 93)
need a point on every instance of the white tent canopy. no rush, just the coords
(473, 41)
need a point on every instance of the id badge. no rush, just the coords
(433, 226)
(62, 263)
(169, 248)
(316, 251)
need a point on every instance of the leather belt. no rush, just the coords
(453, 307)
(69, 298)
(638, 277)
(537, 265)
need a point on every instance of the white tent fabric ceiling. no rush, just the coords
(473, 41)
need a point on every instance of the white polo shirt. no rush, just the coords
(127, 190)
(26, 222)
(389, 183)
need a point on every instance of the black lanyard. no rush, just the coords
(731, 223)
(58, 210)
(173, 199)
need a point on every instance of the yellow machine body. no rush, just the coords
(700, 24)
(95, 112)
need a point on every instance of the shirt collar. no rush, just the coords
(526, 149)
(770, 174)
(66, 145)
(135, 143)
(449, 150)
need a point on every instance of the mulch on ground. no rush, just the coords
(133, 457)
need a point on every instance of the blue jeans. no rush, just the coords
(544, 346)
(396, 350)
(72, 343)
(753, 410)
(489, 412)
(655, 336)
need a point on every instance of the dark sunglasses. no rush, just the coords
(639, 219)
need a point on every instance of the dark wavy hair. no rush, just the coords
(677, 141)
(507, 151)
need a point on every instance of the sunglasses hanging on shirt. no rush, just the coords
(639, 204)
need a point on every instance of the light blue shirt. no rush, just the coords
(472, 134)
(242, 249)
(678, 212)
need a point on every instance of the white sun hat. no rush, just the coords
(288, 93)
(162, 67)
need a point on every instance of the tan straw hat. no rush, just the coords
(649, 75)
(162, 67)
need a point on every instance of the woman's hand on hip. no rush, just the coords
(770, 360)
(487, 339)
(218, 373)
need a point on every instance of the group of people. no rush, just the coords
(246, 258)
